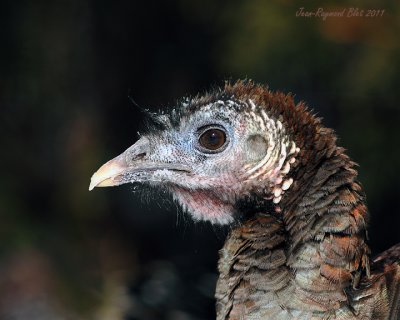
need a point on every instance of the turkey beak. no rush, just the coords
(111, 173)
(105, 176)
(133, 165)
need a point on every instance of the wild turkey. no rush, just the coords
(245, 156)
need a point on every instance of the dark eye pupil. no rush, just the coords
(212, 139)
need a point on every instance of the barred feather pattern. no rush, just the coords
(307, 268)
(307, 259)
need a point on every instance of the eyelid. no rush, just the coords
(204, 128)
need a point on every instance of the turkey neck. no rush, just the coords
(305, 260)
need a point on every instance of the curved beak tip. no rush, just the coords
(105, 183)
(105, 176)
(91, 185)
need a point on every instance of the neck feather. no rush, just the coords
(305, 259)
(325, 223)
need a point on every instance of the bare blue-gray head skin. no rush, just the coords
(211, 152)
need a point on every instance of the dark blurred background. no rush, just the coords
(66, 70)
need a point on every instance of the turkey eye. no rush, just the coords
(212, 139)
